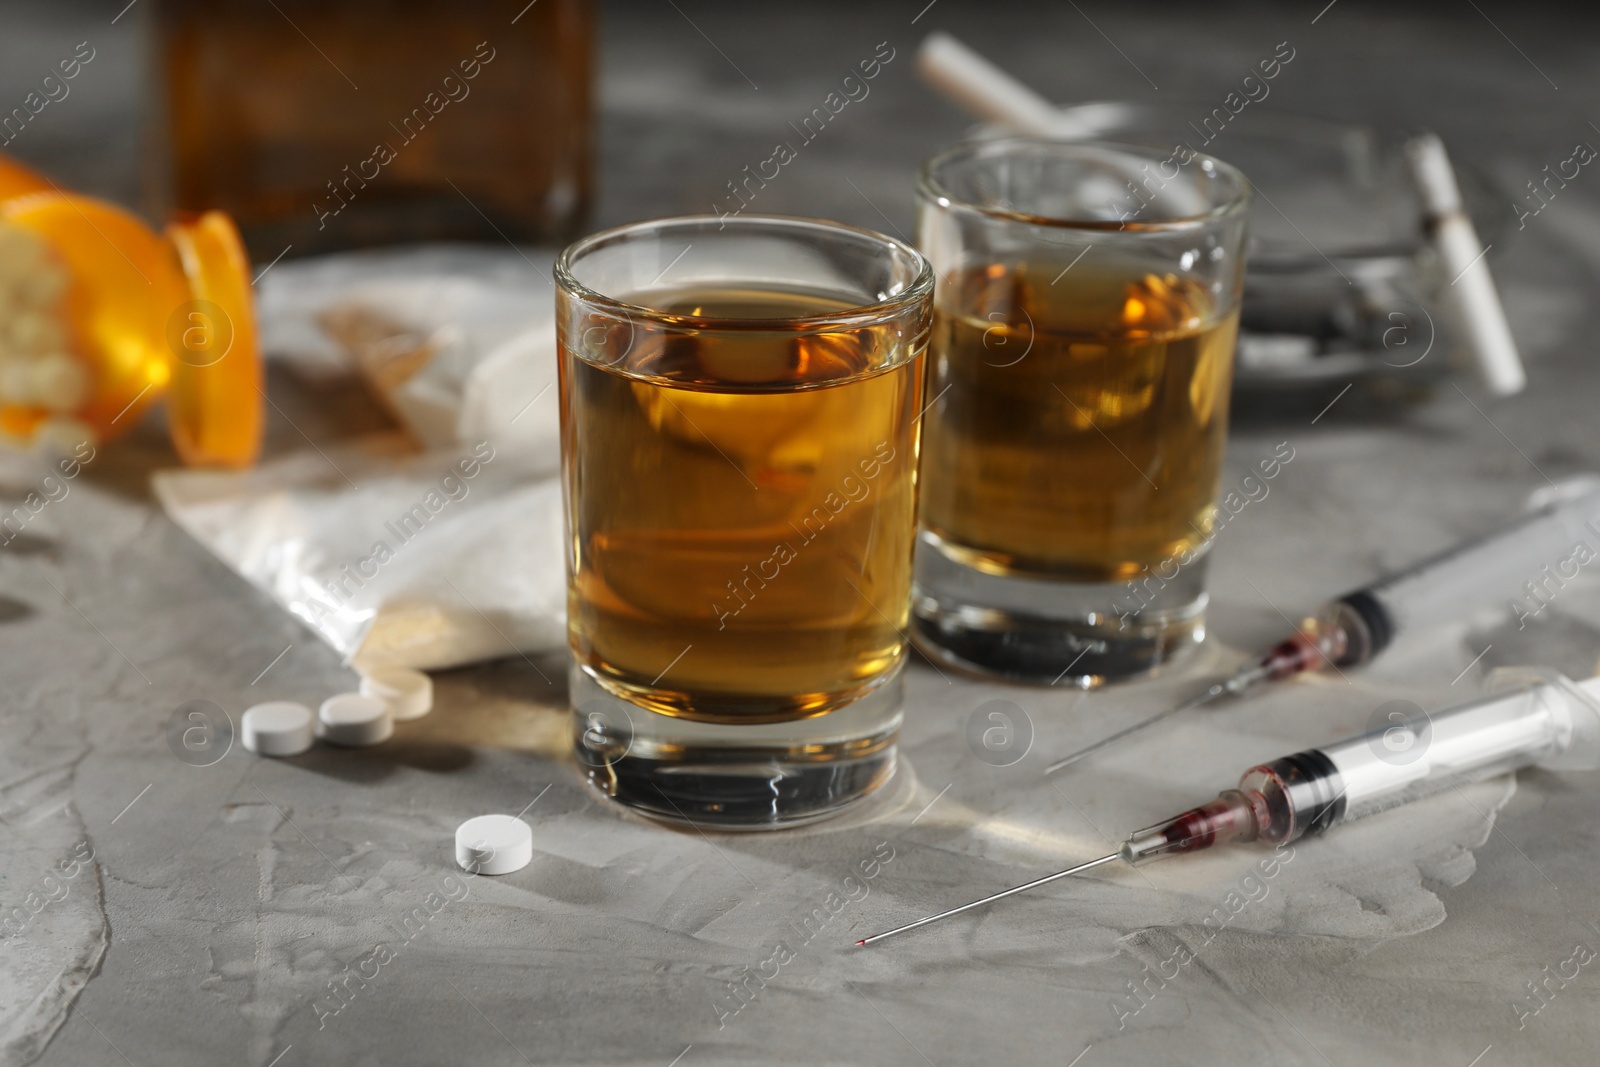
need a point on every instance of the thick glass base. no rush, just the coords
(1043, 631)
(734, 777)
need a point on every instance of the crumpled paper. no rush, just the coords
(432, 548)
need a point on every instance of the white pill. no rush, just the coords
(277, 728)
(22, 252)
(408, 693)
(354, 720)
(494, 844)
(16, 380)
(30, 331)
(60, 382)
(63, 436)
(45, 285)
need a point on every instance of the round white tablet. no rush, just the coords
(408, 693)
(277, 728)
(29, 332)
(494, 844)
(354, 720)
(60, 382)
(64, 436)
(16, 380)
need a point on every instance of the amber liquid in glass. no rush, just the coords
(1079, 426)
(741, 501)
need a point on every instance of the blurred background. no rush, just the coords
(688, 91)
(593, 114)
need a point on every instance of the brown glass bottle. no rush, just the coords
(326, 124)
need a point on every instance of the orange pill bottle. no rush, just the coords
(100, 316)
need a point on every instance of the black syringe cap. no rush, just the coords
(1374, 616)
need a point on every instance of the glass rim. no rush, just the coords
(919, 289)
(930, 187)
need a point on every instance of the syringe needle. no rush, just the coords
(987, 900)
(1188, 705)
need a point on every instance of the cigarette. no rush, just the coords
(1470, 299)
(989, 93)
(983, 89)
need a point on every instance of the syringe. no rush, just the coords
(1533, 718)
(1354, 628)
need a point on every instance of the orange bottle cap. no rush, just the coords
(17, 180)
(214, 404)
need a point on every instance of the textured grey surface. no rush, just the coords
(223, 901)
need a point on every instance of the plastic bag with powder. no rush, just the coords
(432, 548)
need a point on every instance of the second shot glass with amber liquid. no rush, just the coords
(739, 402)
(1085, 320)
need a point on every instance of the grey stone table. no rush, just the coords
(309, 911)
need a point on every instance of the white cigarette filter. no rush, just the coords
(1470, 298)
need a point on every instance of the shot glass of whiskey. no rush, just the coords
(1084, 327)
(739, 402)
